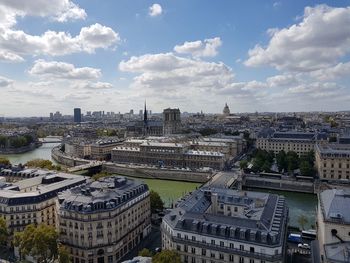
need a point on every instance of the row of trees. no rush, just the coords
(15, 142)
(165, 256)
(43, 164)
(286, 162)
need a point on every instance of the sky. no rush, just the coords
(190, 54)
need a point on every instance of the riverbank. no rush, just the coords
(24, 149)
(42, 152)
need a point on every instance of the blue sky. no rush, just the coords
(196, 55)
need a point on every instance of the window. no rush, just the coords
(221, 256)
(221, 243)
(241, 260)
(213, 242)
(231, 245)
(193, 238)
(252, 250)
(204, 252)
(241, 247)
(231, 258)
(251, 260)
(212, 255)
(193, 250)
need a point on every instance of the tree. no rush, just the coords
(4, 161)
(293, 161)
(302, 220)
(4, 234)
(39, 242)
(99, 175)
(156, 202)
(243, 164)
(43, 164)
(281, 160)
(266, 166)
(145, 253)
(306, 169)
(167, 256)
(63, 254)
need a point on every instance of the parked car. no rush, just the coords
(304, 246)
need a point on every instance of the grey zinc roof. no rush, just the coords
(339, 252)
(335, 205)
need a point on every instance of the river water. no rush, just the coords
(170, 191)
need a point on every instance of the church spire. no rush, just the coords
(145, 114)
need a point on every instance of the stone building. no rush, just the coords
(226, 110)
(333, 227)
(102, 221)
(31, 197)
(299, 142)
(171, 121)
(224, 225)
(333, 161)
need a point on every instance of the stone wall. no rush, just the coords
(278, 184)
(66, 160)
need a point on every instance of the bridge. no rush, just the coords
(226, 180)
(51, 139)
(88, 166)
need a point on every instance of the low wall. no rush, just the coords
(278, 184)
(154, 173)
(69, 161)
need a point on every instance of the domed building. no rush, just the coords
(226, 110)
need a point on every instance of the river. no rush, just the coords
(170, 191)
(43, 152)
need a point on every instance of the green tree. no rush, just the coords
(63, 254)
(166, 256)
(207, 131)
(4, 161)
(3, 141)
(293, 161)
(266, 166)
(43, 164)
(145, 253)
(39, 242)
(281, 160)
(302, 220)
(156, 202)
(4, 234)
(243, 164)
(99, 175)
(306, 169)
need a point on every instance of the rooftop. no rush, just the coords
(335, 204)
(107, 193)
(263, 218)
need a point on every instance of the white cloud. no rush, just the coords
(282, 80)
(94, 85)
(5, 82)
(62, 70)
(338, 71)
(155, 10)
(54, 43)
(166, 72)
(59, 10)
(10, 57)
(206, 48)
(318, 41)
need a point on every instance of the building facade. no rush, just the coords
(103, 220)
(31, 197)
(333, 161)
(171, 121)
(333, 226)
(77, 115)
(298, 142)
(224, 225)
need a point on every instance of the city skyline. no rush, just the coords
(191, 55)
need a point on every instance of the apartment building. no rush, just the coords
(31, 197)
(225, 225)
(101, 221)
